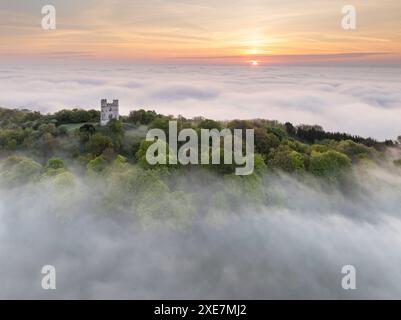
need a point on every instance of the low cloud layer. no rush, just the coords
(294, 247)
(364, 101)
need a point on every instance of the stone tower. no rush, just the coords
(108, 111)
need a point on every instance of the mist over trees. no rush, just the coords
(84, 197)
(71, 144)
(32, 143)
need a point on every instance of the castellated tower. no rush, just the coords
(108, 111)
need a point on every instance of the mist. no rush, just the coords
(291, 245)
(357, 100)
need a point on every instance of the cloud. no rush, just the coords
(313, 59)
(364, 101)
(294, 247)
(67, 54)
(183, 92)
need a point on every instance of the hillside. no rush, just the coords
(75, 137)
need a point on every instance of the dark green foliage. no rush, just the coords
(160, 123)
(98, 143)
(278, 132)
(311, 134)
(10, 118)
(115, 131)
(240, 124)
(290, 129)
(88, 128)
(265, 141)
(209, 124)
(141, 116)
(76, 116)
(85, 132)
(13, 138)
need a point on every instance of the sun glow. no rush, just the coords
(254, 63)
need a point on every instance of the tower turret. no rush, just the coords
(108, 111)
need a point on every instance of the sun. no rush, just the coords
(254, 63)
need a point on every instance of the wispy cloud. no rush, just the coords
(364, 101)
(157, 29)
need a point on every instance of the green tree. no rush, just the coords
(55, 163)
(265, 141)
(286, 159)
(20, 170)
(96, 165)
(278, 132)
(328, 164)
(353, 150)
(141, 116)
(209, 124)
(166, 153)
(98, 143)
(11, 139)
(160, 123)
(240, 124)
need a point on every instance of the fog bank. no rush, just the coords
(292, 247)
(357, 100)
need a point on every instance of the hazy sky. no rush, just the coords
(202, 31)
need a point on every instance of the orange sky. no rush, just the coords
(202, 31)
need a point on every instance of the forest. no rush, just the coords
(69, 148)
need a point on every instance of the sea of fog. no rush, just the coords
(357, 100)
(294, 246)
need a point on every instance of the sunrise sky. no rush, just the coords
(206, 31)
